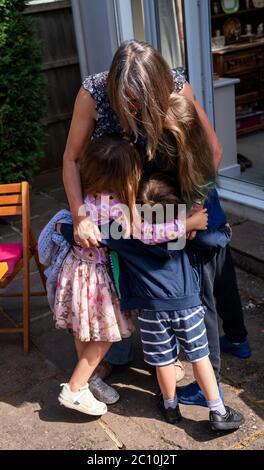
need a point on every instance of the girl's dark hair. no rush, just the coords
(111, 164)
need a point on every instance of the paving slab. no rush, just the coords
(48, 181)
(13, 305)
(17, 370)
(145, 427)
(247, 245)
(34, 419)
(256, 444)
(248, 237)
(251, 288)
(58, 347)
(59, 194)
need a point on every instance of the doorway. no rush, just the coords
(238, 59)
(160, 22)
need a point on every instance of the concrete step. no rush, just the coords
(247, 244)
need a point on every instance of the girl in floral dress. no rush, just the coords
(86, 301)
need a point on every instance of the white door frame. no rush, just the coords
(124, 20)
(197, 20)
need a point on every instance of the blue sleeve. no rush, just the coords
(67, 233)
(207, 239)
(216, 215)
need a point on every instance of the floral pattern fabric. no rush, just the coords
(86, 301)
(107, 121)
(103, 207)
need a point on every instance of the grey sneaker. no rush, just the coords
(102, 391)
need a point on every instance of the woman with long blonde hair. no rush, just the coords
(141, 96)
(146, 96)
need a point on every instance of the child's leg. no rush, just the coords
(166, 376)
(222, 418)
(101, 390)
(160, 350)
(168, 403)
(205, 376)
(91, 355)
(79, 346)
(77, 394)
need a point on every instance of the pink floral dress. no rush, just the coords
(86, 299)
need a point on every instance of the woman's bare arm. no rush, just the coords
(187, 91)
(82, 126)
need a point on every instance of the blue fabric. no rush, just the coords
(241, 350)
(153, 277)
(207, 239)
(161, 330)
(120, 352)
(216, 215)
(53, 249)
(67, 232)
(191, 394)
(217, 235)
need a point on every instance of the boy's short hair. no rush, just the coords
(158, 191)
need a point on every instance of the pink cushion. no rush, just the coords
(11, 253)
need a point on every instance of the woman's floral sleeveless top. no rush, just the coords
(107, 121)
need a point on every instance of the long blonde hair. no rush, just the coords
(185, 146)
(139, 69)
(166, 119)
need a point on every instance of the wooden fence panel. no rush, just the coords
(60, 65)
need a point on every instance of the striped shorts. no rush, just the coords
(161, 330)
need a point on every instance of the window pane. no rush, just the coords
(169, 28)
(171, 31)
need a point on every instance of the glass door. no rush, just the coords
(238, 62)
(180, 30)
(160, 22)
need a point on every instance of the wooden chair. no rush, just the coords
(14, 201)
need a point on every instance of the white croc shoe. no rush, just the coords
(82, 401)
(102, 391)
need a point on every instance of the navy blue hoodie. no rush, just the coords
(153, 277)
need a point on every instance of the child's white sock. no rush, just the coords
(217, 405)
(170, 403)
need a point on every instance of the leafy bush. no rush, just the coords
(22, 94)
